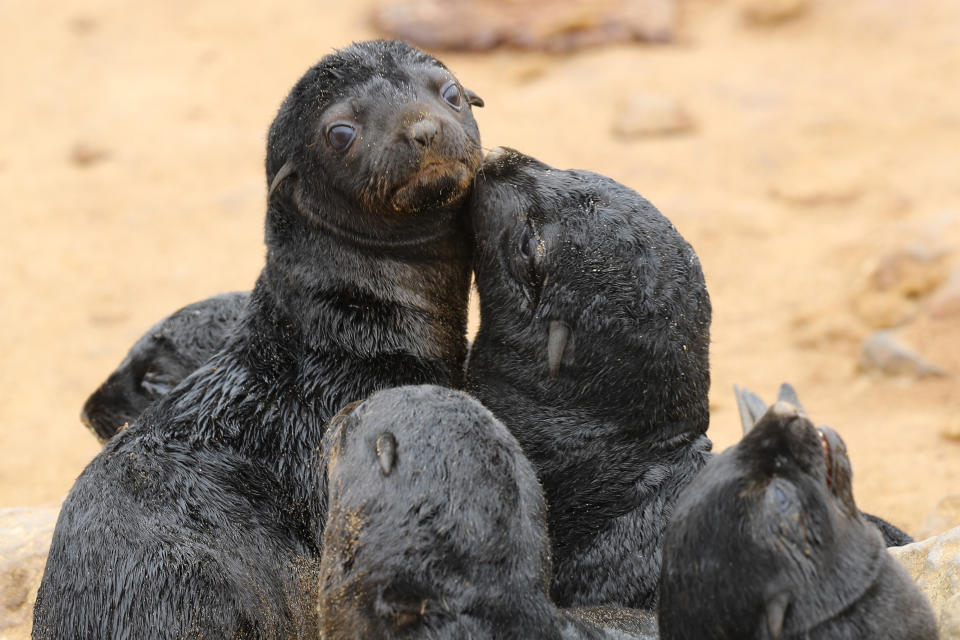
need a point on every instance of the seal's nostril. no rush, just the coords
(423, 132)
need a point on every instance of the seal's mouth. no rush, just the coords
(434, 184)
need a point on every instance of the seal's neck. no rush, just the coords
(351, 294)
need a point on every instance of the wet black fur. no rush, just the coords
(205, 518)
(620, 431)
(761, 547)
(436, 529)
(171, 350)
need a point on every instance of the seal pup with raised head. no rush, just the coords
(205, 518)
(171, 350)
(436, 529)
(767, 542)
(752, 407)
(593, 351)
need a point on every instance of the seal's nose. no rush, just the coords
(422, 132)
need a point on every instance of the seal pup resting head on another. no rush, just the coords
(392, 149)
(593, 351)
(205, 518)
(767, 542)
(166, 354)
(436, 529)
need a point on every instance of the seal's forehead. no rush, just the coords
(393, 63)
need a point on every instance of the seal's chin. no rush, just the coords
(433, 185)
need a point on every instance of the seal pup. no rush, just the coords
(171, 350)
(767, 542)
(593, 351)
(205, 518)
(436, 529)
(752, 407)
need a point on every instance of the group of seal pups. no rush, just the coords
(321, 458)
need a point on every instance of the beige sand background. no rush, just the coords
(131, 183)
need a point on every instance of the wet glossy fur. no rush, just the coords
(436, 530)
(620, 430)
(205, 518)
(171, 350)
(764, 544)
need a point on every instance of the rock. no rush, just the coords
(25, 535)
(945, 515)
(552, 25)
(85, 154)
(951, 430)
(912, 272)
(823, 329)
(883, 353)
(884, 309)
(651, 114)
(934, 564)
(767, 12)
(946, 300)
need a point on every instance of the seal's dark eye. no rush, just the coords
(341, 135)
(450, 92)
(528, 245)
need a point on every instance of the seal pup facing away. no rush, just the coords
(593, 351)
(767, 542)
(436, 529)
(205, 518)
(171, 350)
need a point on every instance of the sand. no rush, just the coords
(131, 174)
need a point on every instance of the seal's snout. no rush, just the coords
(784, 410)
(423, 132)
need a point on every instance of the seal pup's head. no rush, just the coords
(166, 354)
(373, 138)
(436, 521)
(767, 542)
(591, 301)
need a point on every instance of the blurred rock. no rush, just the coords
(814, 330)
(766, 12)
(897, 282)
(945, 515)
(911, 272)
(951, 431)
(883, 353)
(810, 187)
(934, 564)
(651, 114)
(85, 154)
(25, 535)
(946, 300)
(552, 25)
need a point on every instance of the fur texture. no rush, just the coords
(205, 518)
(171, 350)
(436, 529)
(768, 543)
(593, 351)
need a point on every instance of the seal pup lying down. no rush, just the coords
(767, 542)
(593, 351)
(436, 529)
(171, 350)
(205, 518)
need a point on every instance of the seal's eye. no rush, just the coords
(528, 245)
(341, 135)
(450, 92)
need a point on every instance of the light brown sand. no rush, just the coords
(819, 146)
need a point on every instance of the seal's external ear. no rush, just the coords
(556, 345)
(286, 170)
(776, 610)
(472, 98)
(387, 452)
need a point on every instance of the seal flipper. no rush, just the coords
(788, 394)
(751, 407)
